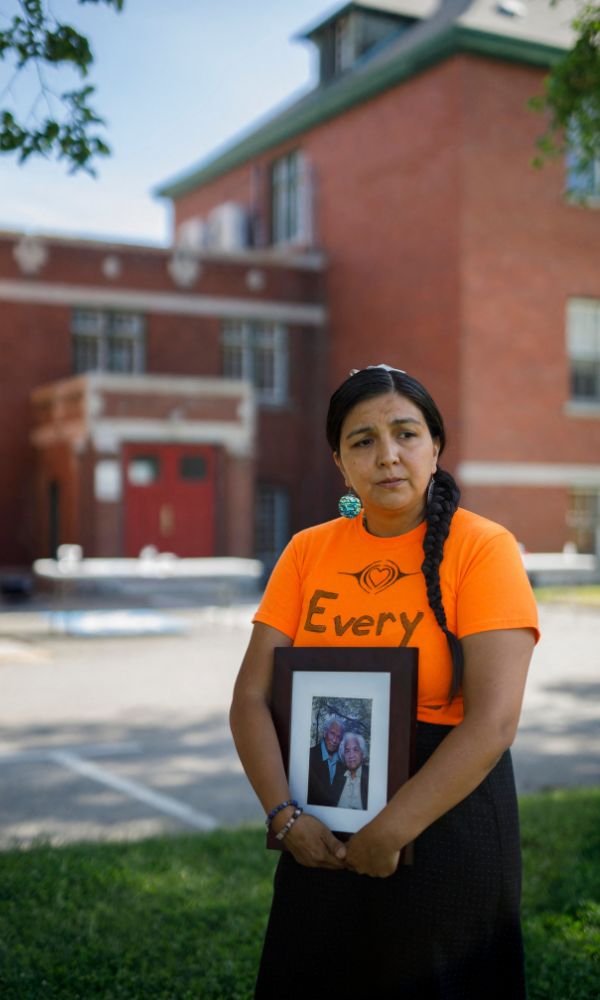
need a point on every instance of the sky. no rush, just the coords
(175, 81)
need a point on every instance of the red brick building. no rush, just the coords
(129, 413)
(409, 165)
(391, 214)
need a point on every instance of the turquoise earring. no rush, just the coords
(349, 504)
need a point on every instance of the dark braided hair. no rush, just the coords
(441, 505)
(443, 497)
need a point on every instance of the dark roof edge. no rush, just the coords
(320, 105)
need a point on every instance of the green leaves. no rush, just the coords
(36, 39)
(70, 139)
(571, 97)
(67, 45)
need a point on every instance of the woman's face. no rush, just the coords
(387, 455)
(352, 753)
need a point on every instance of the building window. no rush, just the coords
(344, 43)
(287, 198)
(582, 179)
(272, 523)
(192, 468)
(583, 520)
(143, 470)
(257, 352)
(107, 342)
(583, 348)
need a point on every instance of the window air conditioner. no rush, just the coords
(228, 227)
(193, 235)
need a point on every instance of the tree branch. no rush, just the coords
(571, 97)
(36, 38)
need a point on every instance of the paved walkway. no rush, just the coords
(558, 743)
(121, 738)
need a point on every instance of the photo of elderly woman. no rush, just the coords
(332, 775)
(355, 792)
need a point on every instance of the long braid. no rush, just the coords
(441, 506)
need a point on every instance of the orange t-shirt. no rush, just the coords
(337, 585)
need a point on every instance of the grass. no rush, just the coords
(561, 893)
(182, 918)
(169, 919)
(588, 595)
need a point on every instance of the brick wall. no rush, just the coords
(183, 345)
(451, 257)
(525, 251)
(388, 186)
(36, 349)
(535, 515)
(78, 262)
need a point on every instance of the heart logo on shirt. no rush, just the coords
(378, 576)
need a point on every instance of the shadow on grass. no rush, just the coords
(182, 918)
(179, 917)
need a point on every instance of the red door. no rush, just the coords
(170, 498)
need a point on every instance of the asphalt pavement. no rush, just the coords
(118, 738)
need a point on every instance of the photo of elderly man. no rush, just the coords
(355, 791)
(325, 769)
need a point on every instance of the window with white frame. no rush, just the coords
(272, 522)
(583, 348)
(287, 199)
(583, 520)
(107, 342)
(257, 352)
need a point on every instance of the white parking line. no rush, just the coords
(135, 790)
(88, 750)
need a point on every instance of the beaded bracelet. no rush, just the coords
(282, 805)
(288, 826)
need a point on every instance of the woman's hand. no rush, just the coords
(314, 845)
(372, 851)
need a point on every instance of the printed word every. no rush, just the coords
(358, 625)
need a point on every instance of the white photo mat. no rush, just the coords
(306, 685)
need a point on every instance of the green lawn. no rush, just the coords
(561, 893)
(181, 918)
(588, 595)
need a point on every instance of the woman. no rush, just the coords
(355, 791)
(428, 574)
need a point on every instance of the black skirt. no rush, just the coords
(446, 927)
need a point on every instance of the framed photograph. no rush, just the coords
(345, 719)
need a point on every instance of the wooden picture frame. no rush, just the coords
(381, 684)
